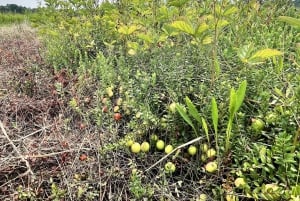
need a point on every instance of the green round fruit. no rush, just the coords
(192, 150)
(211, 166)
(160, 144)
(170, 167)
(204, 147)
(257, 124)
(202, 197)
(145, 146)
(129, 143)
(168, 149)
(211, 153)
(172, 107)
(135, 147)
(240, 182)
(153, 137)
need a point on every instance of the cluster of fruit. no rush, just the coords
(207, 153)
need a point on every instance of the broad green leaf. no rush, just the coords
(170, 30)
(265, 54)
(214, 114)
(127, 30)
(146, 37)
(240, 95)
(232, 103)
(201, 28)
(290, 20)
(184, 27)
(185, 116)
(230, 10)
(205, 128)
(222, 23)
(192, 109)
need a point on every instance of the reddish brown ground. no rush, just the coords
(44, 139)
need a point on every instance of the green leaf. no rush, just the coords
(205, 128)
(192, 109)
(184, 27)
(265, 54)
(230, 10)
(214, 114)
(232, 103)
(240, 95)
(127, 30)
(201, 28)
(185, 116)
(290, 20)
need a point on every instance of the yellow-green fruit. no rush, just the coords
(172, 107)
(204, 147)
(170, 167)
(129, 143)
(116, 108)
(109, 91)
(211, 153)
(240, 182)
(154, 137)
(145, 146)
(231, 198)
(135, 147)
(192, 150)
(168, 149)
(203, 157)
(160, 145)
(202, 197)
(211, 166)
(257, 124)
(119, 101)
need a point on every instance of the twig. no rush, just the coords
(37, 131)
(179, 147)
(52, 154)
(29, 170)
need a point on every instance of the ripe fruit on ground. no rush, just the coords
(211, 153)
(116, 108)
(135, 147)
(168, 149)
(145, 146)
(117, 116)
(192, 150)
(109, 91)
(240, 182)
(257, 124)
(170, 167)
(119, 101)
(160, 144)
(202, 197)
(105, 109)
(211, 166)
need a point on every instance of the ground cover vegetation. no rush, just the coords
(155, 100)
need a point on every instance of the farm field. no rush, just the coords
(151, 100)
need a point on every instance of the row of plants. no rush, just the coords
(215, 81)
